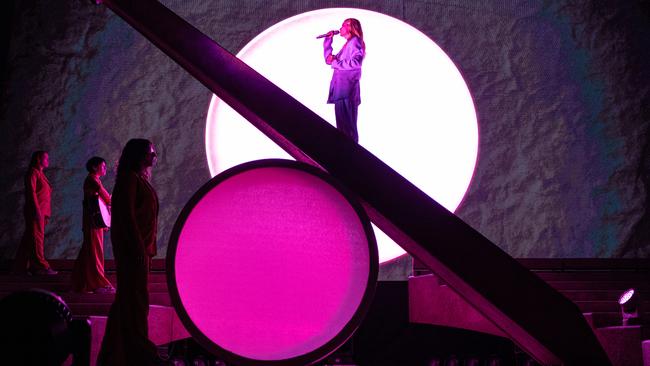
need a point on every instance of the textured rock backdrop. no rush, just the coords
(561, 90)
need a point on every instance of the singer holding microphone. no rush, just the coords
(344, 88)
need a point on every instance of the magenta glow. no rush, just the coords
(272, 263)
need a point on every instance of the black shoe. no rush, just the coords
(45, 272)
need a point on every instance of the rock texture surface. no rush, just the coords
(561, 90)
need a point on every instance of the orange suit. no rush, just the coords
(88, 270)
(38, 196)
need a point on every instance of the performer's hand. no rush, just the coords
(329, 59)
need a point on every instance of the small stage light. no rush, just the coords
(629, 302)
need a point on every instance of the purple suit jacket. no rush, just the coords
(347, 70)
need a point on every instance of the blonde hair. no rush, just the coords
(356, 30)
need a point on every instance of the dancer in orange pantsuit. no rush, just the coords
(38, 195)
(88, 271)
(133, 234)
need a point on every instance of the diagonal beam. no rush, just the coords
(539, 319)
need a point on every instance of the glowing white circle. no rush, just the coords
(416, 112)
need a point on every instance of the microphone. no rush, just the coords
(328, 34)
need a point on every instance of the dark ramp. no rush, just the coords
(539, 319)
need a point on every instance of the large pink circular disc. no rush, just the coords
(272, 262)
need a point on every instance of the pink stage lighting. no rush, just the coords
(272, 262)
(416, 112)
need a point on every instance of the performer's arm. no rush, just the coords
(132, 222)
(327, 50)
(31, 181)
(353, 59)
(103, 194)
(94, 187)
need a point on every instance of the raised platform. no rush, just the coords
(593, 285)
(82, 304)
(164, 324)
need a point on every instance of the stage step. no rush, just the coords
(599, 295)
(619, 276)
(59, 285)
(595, 291)
(81, 304)
(609, 306)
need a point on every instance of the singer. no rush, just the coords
(344, 88)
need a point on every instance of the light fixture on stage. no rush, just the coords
(629, 302)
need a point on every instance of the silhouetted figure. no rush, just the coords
(133, 234)
(38, 195)
(344, 88)
(88, 271)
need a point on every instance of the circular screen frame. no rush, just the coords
(347, 330)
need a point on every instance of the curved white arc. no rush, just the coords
(417, 114)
